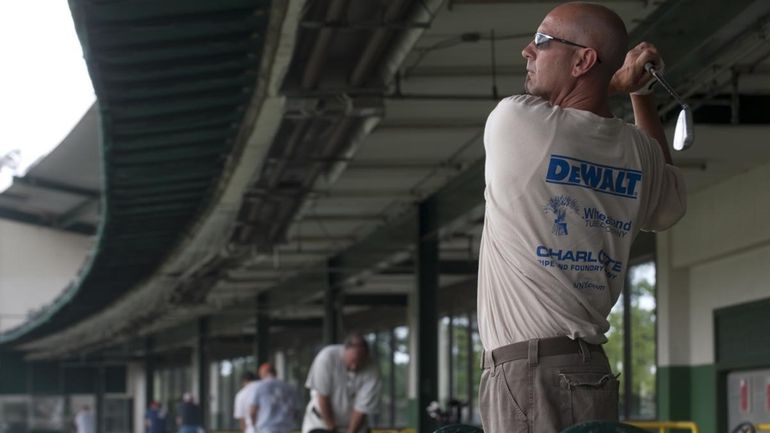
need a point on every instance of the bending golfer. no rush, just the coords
(568, 187)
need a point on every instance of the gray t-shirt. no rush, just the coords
(276, 403)
(567, 191)
(348, 390)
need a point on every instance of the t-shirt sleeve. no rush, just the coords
(368, 398)
(238, 406)
(511, 143)
(667, 199)
(319, 378)
(258, 394)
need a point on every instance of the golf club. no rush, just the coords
(683, 133)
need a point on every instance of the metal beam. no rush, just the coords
(53, 185)
(318, 56)
(202, 359)
(445, 267)
(298, 323)
(677, 29)
(262, 330)
(341, 218)
(427, 319)
(70, 217)
(100, 390)
(332, 310)
(378, 300)
(38, 220)
(149, 372)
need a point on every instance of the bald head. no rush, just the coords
(597, 27)
(581, 47)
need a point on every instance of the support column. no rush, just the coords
(263, 330)
(149, 372)
(202, 370)
(99, 413)
(332, 310)
(427, 314)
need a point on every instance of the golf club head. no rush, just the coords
(684, 133)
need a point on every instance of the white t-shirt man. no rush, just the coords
(567, 191)
(85, 421)
(348, 390)
(243, 401)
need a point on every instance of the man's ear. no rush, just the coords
(584, 60)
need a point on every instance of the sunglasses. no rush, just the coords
(542, 38)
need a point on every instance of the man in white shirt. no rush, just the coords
(84, 420)
(243, 401)
(568, 188)
(344, 385)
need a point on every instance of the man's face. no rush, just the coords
(354, 358)
(548, 65)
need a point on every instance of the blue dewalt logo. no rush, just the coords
(600, 178)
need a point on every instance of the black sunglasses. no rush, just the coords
(542, 38)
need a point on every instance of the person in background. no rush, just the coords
(155, 419)
(84, 420)
(243, 401)
(189, 417)
(344, 388)
(275, 403)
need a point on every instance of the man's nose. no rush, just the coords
(528, 52)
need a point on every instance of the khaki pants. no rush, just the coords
(546, 394)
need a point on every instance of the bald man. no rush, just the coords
(344, 384)
(568, 188)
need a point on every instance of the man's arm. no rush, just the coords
(242, 423)
(253, 411)
(630, 78)
(647, 119)
(327, 414)
(356, 421)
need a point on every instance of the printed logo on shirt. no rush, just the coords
(589, 285)
(595, 218)
(579, 260)
(605, 179)
(558, 206)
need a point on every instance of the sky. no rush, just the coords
(44, 85)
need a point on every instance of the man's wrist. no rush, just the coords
(647, 89)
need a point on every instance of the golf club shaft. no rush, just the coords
(651, 69)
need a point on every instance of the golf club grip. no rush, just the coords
(650, 68)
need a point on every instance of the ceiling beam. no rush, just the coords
(446, 267)
(71, 216)
(56, 186)
(376, 299)
(691, 33)
(39, 220)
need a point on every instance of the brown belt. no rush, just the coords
(543, 347)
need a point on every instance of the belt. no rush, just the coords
(544, 347)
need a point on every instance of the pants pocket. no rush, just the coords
(500, 412)
(588, 396)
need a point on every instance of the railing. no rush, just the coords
(662, 426)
